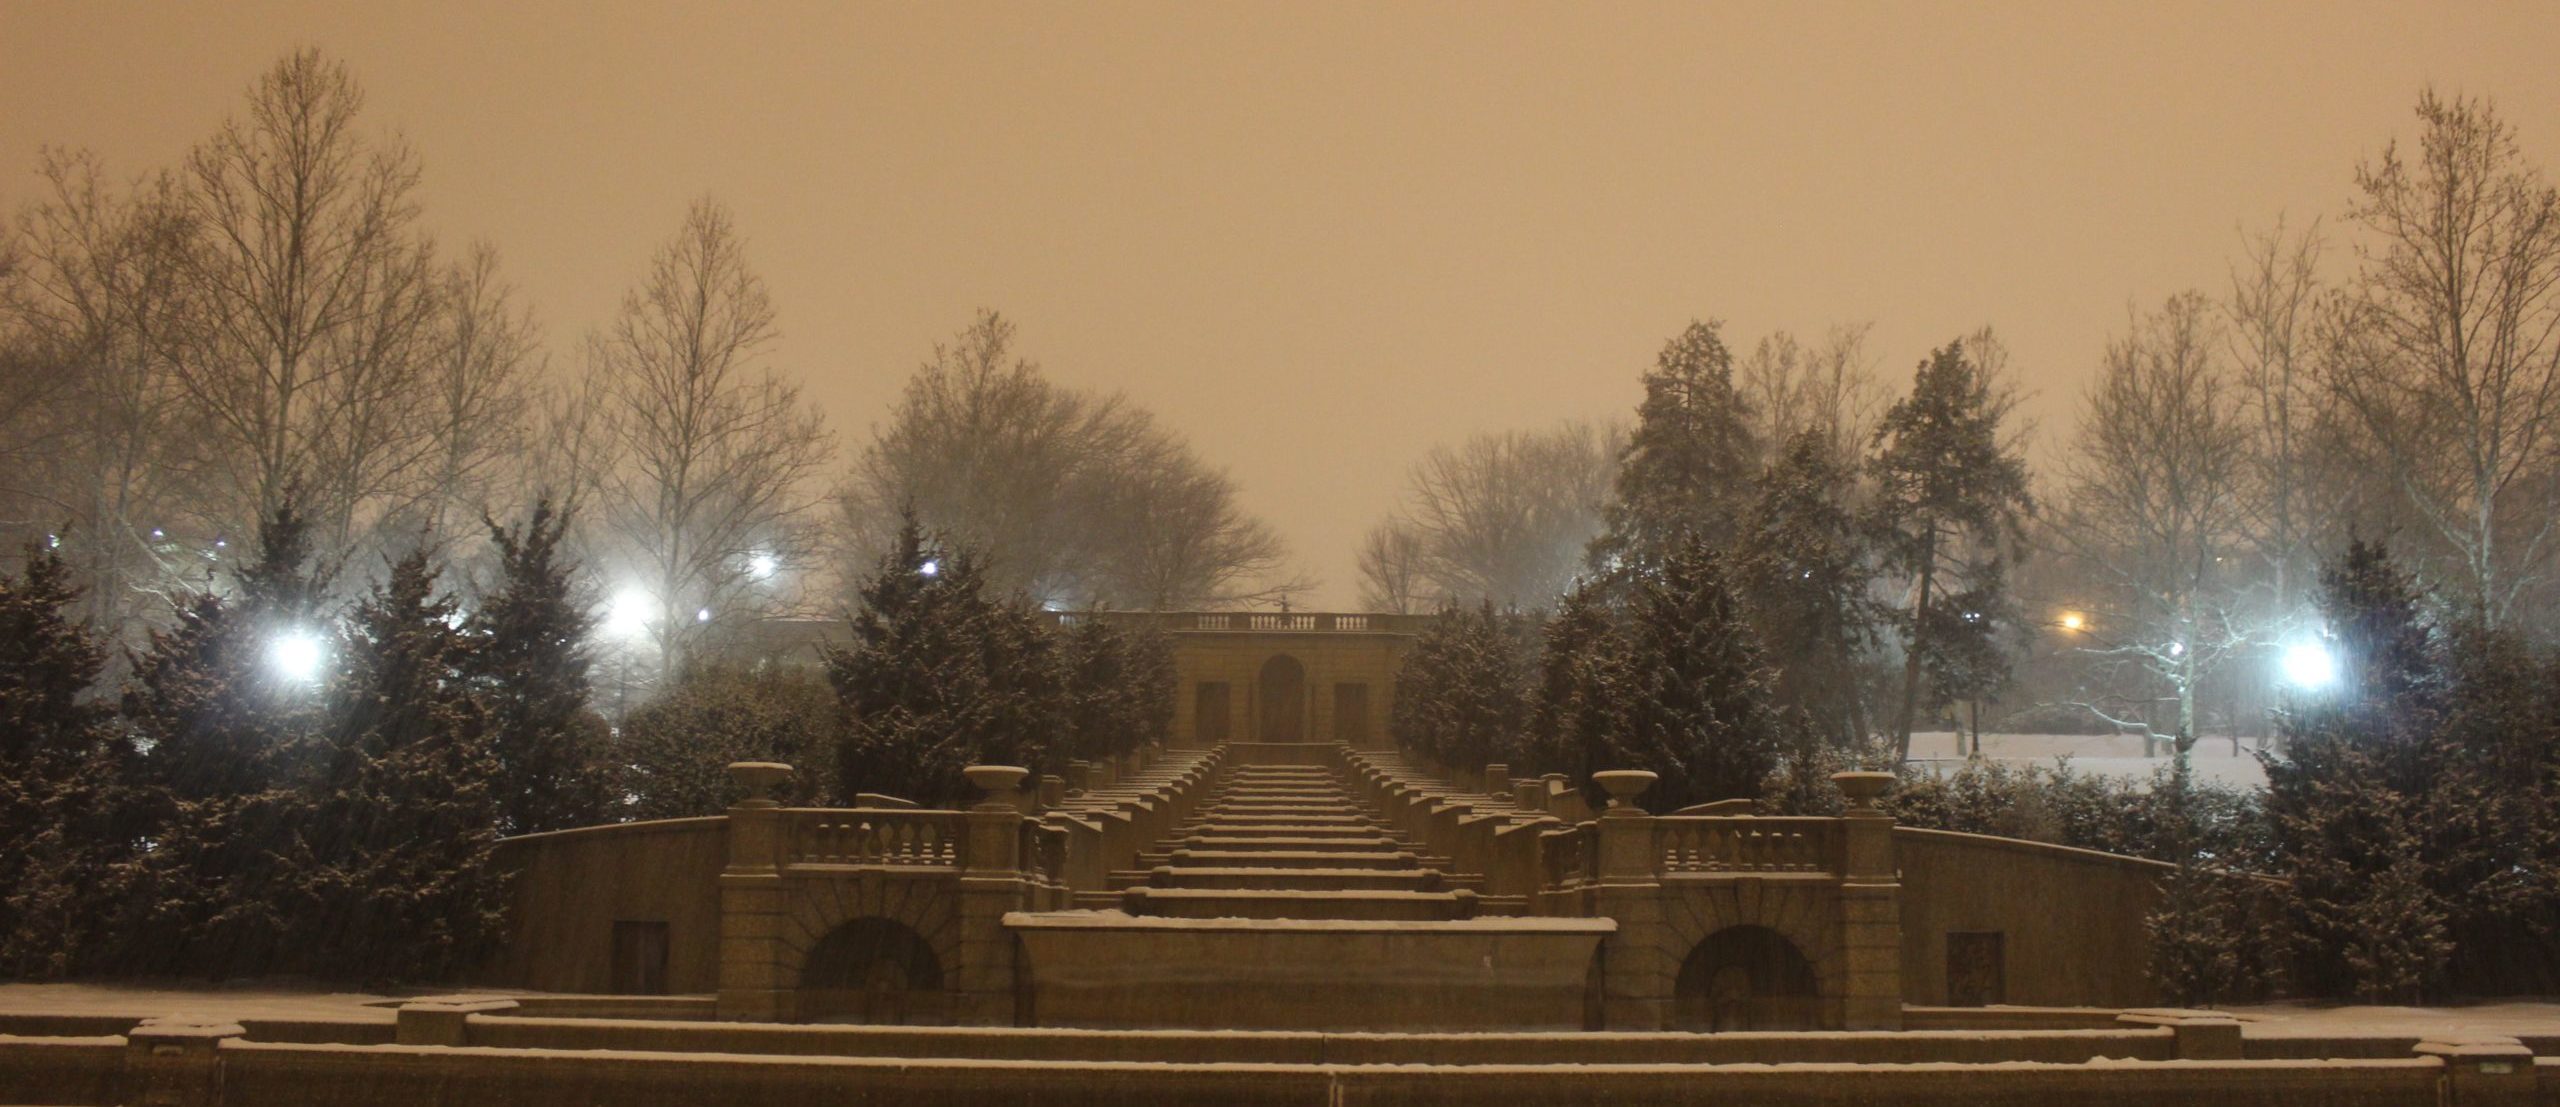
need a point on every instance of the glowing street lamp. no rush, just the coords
(930, 568)
(2309, 666)
(763, 565)
(2073, 620)
(295, 655)
(627, 616)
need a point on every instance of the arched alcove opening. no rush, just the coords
(873, 970)
(1746, 978)
(1281, 690)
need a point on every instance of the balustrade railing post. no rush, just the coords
(753, 899)
(993, 882)
(1640, 968)
(1870, 906)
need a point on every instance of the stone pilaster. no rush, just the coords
(991, 884)
(754, 985)
(1870, 909)
(1639, 967)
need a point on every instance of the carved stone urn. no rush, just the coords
(760, 780)
(1624, 786)
(1863, 790)
(999, 782)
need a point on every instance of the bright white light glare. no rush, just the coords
(628, 615)
(2177, 649)
(702, 615)
(763, 565)
(2073, 620)
(2309, 665)
(296, 656)
(930, 568)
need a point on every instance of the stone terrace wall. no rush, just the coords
(2071, 920)
(568, 887)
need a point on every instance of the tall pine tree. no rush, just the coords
(403, 821)
(62, 776)
(1951, 496)
(528, 666)
(1688, 465)
(939, 676)
(1462, 695)
(1698, 710)
(1803, 563)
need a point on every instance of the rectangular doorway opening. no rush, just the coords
(639, 958)
(1351, 712)
(1977, 968)
(1209, 711)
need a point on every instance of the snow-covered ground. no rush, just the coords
(245, 1001)
(279, 1001)
(2097, 754)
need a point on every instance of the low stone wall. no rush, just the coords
(569, 887)
(1112, 970)
(83, 1072)
(2070, 920)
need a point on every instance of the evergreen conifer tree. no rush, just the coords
(62, 778)
(1950, 494)
(528, 666)
(1580, 705)
(1467, 702)
(1690, 461)
(680, 744)
(1698, 713)
(2348, 795)
(1802, 562)
(229, 752)
(403, 820)
(939, 677)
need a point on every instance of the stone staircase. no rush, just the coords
(1290, 842)
(1283, 901)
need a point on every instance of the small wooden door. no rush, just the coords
(1210, 711)
(1977, 968)
(1281, 693)
(1351, 712)
(639, 958)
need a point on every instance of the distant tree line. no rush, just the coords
(1791, 573)
(181, 351)
(286, 785)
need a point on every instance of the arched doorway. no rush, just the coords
(1746, 978)
(873, 970)
(1282, 693)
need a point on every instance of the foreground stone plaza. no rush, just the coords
(1283, 909)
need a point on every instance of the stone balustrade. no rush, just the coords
(859, 836)
(1708, 845)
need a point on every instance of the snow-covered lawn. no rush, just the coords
(2095, 754)
(245, 1001)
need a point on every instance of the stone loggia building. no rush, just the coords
(1283, 867)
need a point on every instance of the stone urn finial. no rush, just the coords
(998, 782)
(1624, 786)
(760, 780)
(1863, 789)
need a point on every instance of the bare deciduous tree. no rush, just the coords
(1830, 386)
(2155, 508)
(2447, 345)
(314, 306)
(98, 444)
(1504, 517)
(714, 458)
(1394, 575)
(1078, 500)
(2294, 483)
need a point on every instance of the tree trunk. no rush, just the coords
(1911, 651)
